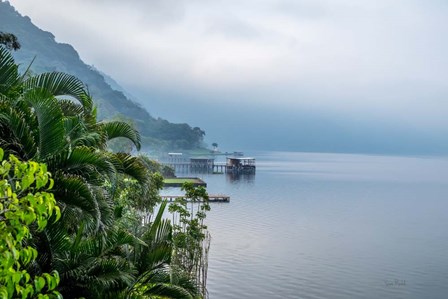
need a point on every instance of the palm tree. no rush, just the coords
(39, 120)
(156, 277)
(51, 118)
(120, 265)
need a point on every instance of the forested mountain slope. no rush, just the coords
(50, 55)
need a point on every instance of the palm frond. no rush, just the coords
(154, 256)
(109, 273)
(79, 130)
(61, 84)
(9, 74)
(95, 265)
(126, 238)
(73, 128)
(19, 131)
(84, 158)
(27, 71)
(93, 276)
(157, 223)
(50, 122)
(91, 139)
(115, 129)
(79, 200)
(70, 108)
(165, 290)
(159, 240)
(107, 208)
(163, 282)
(53, 242)
(94, 166)
(131, 166)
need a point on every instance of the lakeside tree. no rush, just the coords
(191, 240)
(9, 40)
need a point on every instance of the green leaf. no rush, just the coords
(9, 75)
(61, 84)
(114, 129)
(39, 284)
(50, 120)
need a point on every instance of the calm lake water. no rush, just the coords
(331, 226)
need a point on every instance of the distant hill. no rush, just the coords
(111, 99)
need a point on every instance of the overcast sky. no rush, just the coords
(379, 60)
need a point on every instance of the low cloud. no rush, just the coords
(386, 58)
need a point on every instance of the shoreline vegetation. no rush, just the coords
(80, 219)
(179, 182)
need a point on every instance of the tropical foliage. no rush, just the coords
(22, 205)
(105, 244)
(191, 240)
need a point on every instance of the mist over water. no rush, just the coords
(331, 226)
(298, 75)
(248, 126)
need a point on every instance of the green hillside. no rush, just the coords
(49, 55)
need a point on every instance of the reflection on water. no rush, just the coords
(246, 178)
(331, 226)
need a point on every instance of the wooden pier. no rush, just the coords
(233, 165)
(211, 198)
(219, 167)
(179, 182)
(206, 164)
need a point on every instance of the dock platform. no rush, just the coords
(211, 198)
(178, 182)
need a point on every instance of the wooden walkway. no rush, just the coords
(218, 167)
(189, 167)
(211, 198)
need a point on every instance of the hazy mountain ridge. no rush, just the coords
(50, 55)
